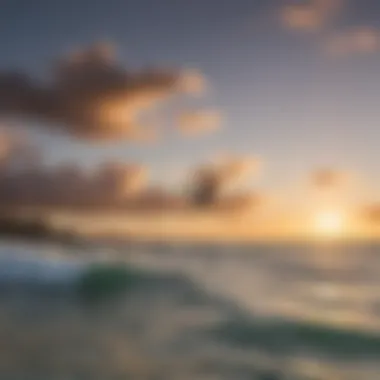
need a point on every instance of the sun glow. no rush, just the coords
(329, 224)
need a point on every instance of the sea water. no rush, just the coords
(190, 311)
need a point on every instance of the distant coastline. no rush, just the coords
(35, 230)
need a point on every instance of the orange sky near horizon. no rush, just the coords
(319, 225)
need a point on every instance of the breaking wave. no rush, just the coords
(85, 319)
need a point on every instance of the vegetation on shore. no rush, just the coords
(33, 229)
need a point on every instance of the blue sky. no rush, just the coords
(282, 98)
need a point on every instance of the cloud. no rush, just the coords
(309, 15)
(8, 145)
(233, 169)
(90, 96)
(326, 178)
(301, 18)
(371, 213)
(212, 182)
(69, 186)
(199, 122)
(27, 183)
(356, 41)
(15, 151)
(241, 203)
(317, 15)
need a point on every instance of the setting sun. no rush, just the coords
(329, 224)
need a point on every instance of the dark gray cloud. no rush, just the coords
(210, 183)
(26, 181)
(91, 96)
(72, 187)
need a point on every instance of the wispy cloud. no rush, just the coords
(327, 178)
(194, 123)
(309, 15)
(371, 213)
(322, 15)
(356, 41)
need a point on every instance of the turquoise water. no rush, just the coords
(302, 312)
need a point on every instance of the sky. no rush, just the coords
(295, 82)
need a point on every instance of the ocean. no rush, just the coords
(189, 311)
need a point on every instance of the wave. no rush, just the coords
(297, 337)
(234, 330)
(107, 281)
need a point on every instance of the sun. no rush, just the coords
(329, 224)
